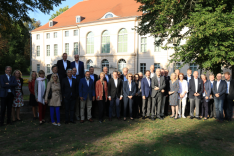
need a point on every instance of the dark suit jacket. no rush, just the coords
(191, 88)
(126, 91)
(49, 77)
(67, 90)
(154, 83)
(112, 90)
(221, 90)
(185, 77)
(61, 71)
(122, 77)
(77, 84)
(81, 68)
(95, 79)
(4, 87)
(231, 90)
(85, 90)
(145, 88)
(109, 76)
(167, 88)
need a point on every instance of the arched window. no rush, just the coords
(89, 64)
(90, 43)
(105, 42)
(105, 63)
(121, 65)
(109, 15)
(123, 41)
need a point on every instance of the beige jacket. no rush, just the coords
(56, 94)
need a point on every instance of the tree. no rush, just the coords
(60, 11)
(208, 30)
(15, 12)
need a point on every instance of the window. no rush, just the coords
(48, 35)
(51, 24)
(177, 66)
(48, 50)
(75, 32)
(143, 67)
(66, 33)
(75, 48)
(143, 44)
(38, 68)
(157, 47)
(89, 64)
(55, 34)
(156, 66)
(78, 19)
(109, 15)
(55, 50)
(105, 42)
(123, 41)
(67, 48)
(48, 68)
(90, 43)
(121, 65)
(193, 67)
(38, 50)
(38, 37)
(105, 63)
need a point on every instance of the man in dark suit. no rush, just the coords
(195, 93)
(212, 112)
(54, 70)
(188, 77)
(146, 94)
(87, 95)
(69, 93)
(219, 90)
(63, 65)
(115, 94)
(94, 77)
(158, 85)
(165, 96)
(79, 65)
(228, 104)
(77, 102)
(124, 75)
(7, 94)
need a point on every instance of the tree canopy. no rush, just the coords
(208, 28)
(60, 11)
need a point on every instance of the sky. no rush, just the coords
(44, 18)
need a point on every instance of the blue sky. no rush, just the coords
(44, 18)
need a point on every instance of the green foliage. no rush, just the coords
(60, 11)
(208, 29)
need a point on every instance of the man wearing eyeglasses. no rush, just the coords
(79, 65)
(54, 70)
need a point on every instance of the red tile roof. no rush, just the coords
(93, 10)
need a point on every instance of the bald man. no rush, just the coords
(152, 74)
(79, 65)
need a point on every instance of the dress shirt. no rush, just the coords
(228, 85)
(74, 77)
(188, 79)
(92, 77)
(183, 88)
(125, 79)
(148, 79)
(65, 64)
(77, 67)
(151, 75)
(130, 86)
(218, 82)
(116, 82)
(107, 78)
(70, 81)
(211, 83)
(158, 81)
(196, 84)
(87, 80)
(9, 90)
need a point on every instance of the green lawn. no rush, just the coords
(137, 138)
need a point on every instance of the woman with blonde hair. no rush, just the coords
(54, 97)
(182, 94)
(32, 99)
(173, 93)
(18, 99)
(101, 89)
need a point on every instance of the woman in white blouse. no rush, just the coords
(182, 94)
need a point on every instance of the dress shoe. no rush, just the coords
(143, 117)
(10, 123)
(66, 122)
(198, 118)
(152, 119)
(229, 119)
(78, 118)
(148, 117)
(110, 119)
(161, 118)
(176, 118)
(191, 117)
(72, 122)
(118, 118)
(172, 116)
(100, 121)
(81, 121)
(90, 120)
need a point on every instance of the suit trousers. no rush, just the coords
(114, 102)
(135, 108)
(194, 103)
(204, 108)
(219, 108)
(146, 103)
(187, 108)
(69, 107)
(77, 108)
(212, 112)
(101, 109)
(6, 102)
(128, 102)
(88, 103)
(228, 104)
(94, 108)
(164, 106)
(183, 101)
(156, 104)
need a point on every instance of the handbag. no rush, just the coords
(49, 95)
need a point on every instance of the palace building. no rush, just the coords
(102, 33)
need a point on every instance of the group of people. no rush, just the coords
(128, 95)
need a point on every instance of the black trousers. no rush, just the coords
(166, 106)
(106, 107)
(187, 108)
(94, 109)
(69, 107)
(212, 109)
(6, 102)
(204, 108)
(101, 104)
(137, 100)
(128, 102)
(227, 107)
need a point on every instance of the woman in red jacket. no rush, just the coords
(101, 95)
(32, 99)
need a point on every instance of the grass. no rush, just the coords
(137, 138)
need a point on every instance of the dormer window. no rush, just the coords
(78, 19)
(51, 24)
(108, 15)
